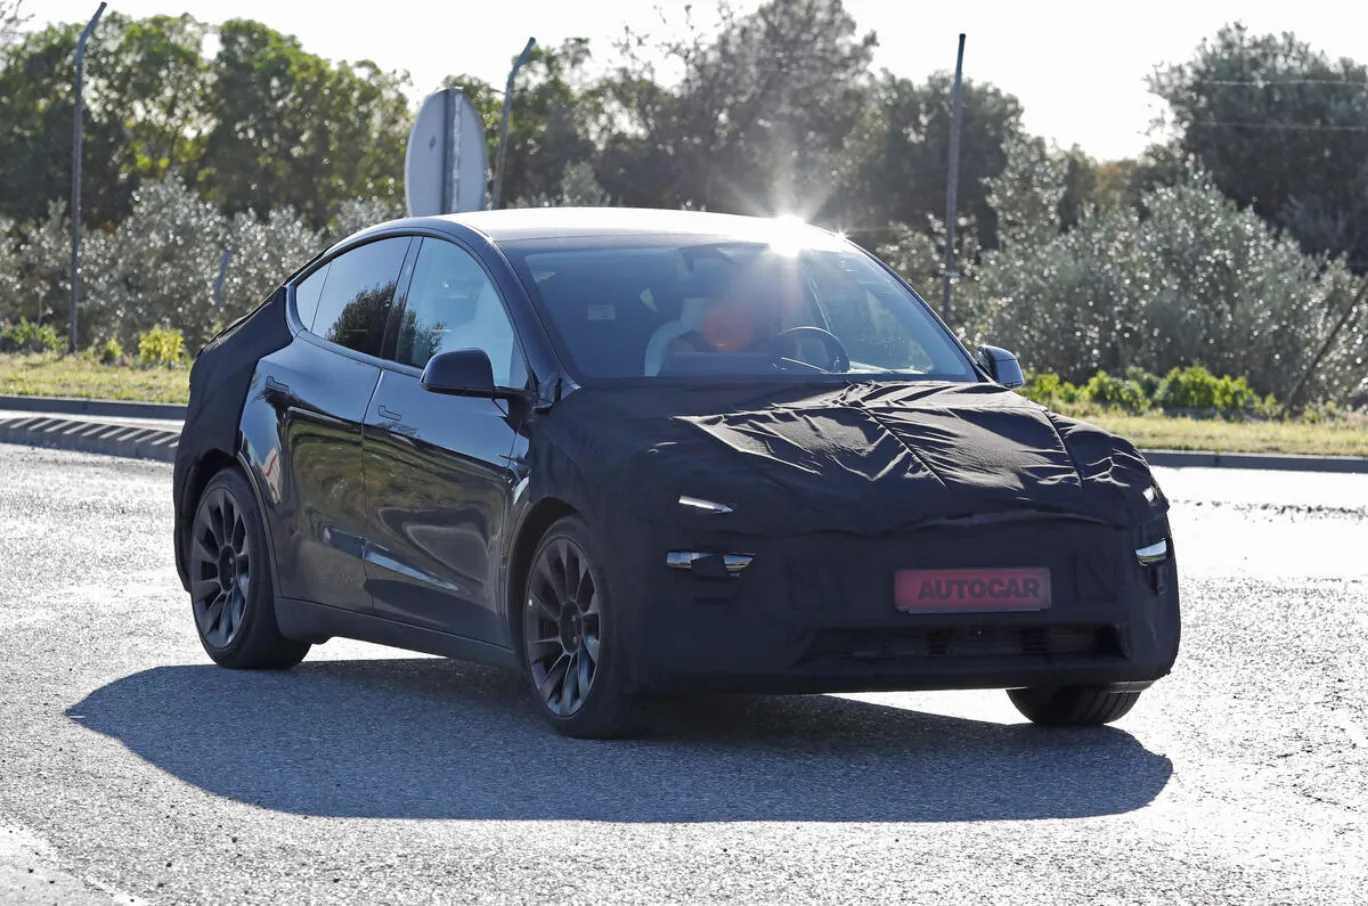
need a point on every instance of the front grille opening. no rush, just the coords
(1002, 641)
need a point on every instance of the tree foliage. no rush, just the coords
(261, 125)
(756, 119)
(1227, 245)
(1282, 129)
(1195, 280)
(12, 17)
(292, 130)
(896, 161)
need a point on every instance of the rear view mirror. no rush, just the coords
(1001, 366)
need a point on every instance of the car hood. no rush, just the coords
(868, 458)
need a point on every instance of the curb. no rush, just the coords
(98, 408)
(133, 442)
(1282, 462)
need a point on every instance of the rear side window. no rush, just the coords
(307, 294)
(357, 294)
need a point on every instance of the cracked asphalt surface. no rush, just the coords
(132, 770)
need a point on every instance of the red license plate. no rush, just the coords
(958, 590)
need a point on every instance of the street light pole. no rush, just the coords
(952, 184)
(503, 127)
(76, 179)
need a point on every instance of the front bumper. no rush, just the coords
(816, 614)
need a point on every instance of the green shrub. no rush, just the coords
(1187, 276)
(1147, 382)
(112, 353)
(1048, 390)
(25, 336)
(1197, 388)
(1111, 392)
(160, 346)
(1321, 412)
(1190, 389)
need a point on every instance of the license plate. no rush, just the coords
(959, 590)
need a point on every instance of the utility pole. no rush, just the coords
(76, 180)
(222, 273)
(952, 184)
(503, 127)
(1295, 396)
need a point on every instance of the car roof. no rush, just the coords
(517, 224)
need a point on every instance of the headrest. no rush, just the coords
(693, 311)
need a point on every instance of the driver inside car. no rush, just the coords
(739, 321)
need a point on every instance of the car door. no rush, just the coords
(439, 476)
(318, 388)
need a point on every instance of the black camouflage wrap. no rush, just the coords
(218, 389)
(833, 491)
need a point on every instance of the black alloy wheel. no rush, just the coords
(568, 632)
(221, 564)
(230, 583)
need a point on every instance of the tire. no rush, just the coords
(1072, 706)
(573, 636)
(231, 598)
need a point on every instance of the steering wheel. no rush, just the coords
(782, 343)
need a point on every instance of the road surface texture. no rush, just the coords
(131, 770)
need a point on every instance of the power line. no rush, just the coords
(1275, 83)
(1293, 127)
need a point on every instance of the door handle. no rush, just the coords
(387, 412)
(276, 386)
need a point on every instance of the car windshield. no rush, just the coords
(696, 309)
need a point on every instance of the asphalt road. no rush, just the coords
(133, 770)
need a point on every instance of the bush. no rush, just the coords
(1114, 393)
(1197, 388)
(1147, 382)
(158, 266)
(1186, 389)
(26, 336)
(161, 346)
(1048, 390)
(112, 353)
(1190, 278)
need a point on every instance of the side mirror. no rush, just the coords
(463, 372)
(1002, 366)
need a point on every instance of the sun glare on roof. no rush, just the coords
(790, 236)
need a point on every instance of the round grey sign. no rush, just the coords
(445, 167)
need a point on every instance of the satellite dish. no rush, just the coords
(447, 158)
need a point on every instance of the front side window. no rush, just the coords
(452, 304)
(307, 294)
(357, 294)
(700, 308)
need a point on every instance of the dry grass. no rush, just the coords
(50, 374)
(1346, 436)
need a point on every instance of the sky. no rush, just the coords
(1078, 69)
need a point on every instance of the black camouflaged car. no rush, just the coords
(630, 452)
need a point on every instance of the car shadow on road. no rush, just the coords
(431, 738)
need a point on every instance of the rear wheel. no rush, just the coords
(1072, 706)
(573, 644)
(230, 581)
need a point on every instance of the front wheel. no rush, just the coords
(230, 581)
(573, 639)
(1072, 706)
